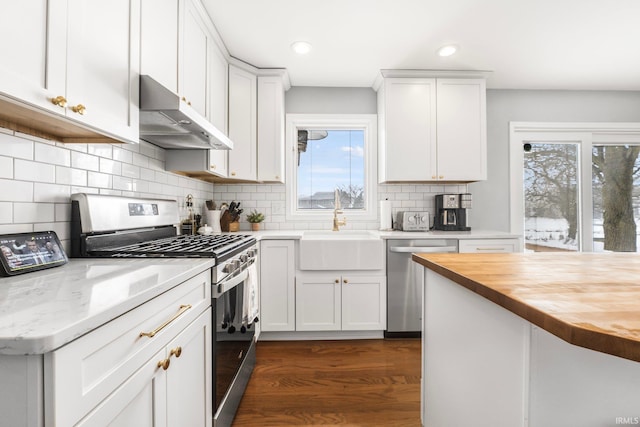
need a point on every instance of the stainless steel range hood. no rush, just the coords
(168, 122)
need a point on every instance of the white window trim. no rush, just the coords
(585, 135)
(366, 122)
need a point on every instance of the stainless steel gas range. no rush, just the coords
(123, 227)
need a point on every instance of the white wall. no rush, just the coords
(38, 176)
(491, 197)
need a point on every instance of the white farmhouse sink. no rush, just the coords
(341, 250)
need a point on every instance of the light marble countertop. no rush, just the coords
(44, 310)
(473, 234)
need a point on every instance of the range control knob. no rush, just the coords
(244, 257)
(228, 268)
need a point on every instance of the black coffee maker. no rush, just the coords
(451, 212)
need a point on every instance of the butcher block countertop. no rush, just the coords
(587, 299)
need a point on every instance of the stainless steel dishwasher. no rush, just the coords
(404, 283)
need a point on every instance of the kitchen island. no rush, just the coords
(531, 339)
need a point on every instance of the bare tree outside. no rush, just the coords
(615, 169)
(551, 196)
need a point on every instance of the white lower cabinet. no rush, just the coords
(347, 302)
(489, 246)
(277, 285)
(155, 396)
(115, 375)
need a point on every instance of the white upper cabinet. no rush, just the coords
(242, 124)
(102, 65)
(23, 70)
(159, 41)
(193, 59)
(77, 58)
(218, 98)
(432, 129)
(271, 128)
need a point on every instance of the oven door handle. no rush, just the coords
(423, 249)
(223, 287)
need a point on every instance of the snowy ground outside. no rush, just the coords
(552, 233)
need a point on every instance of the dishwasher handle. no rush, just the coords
(424, 249)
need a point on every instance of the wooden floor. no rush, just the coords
(333, 383)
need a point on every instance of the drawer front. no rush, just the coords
(81, 374)
(488, 246)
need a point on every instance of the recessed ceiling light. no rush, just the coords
(301, 48)
(447, 50)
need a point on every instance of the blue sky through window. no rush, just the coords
(336, 161)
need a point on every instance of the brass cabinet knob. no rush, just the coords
(80, 109)
(185, 100)
(60, 101)
(164, 364)
(345, 281)
(176, 352)
(441, 177)
(433, 177)
(233, 174)
(213, 166)
(337, 281)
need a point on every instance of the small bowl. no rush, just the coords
(206, 230)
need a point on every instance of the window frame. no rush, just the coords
(365, 122)
(586, 135)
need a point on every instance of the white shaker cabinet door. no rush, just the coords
(218, 94)
(270, 129)
(364, 303)
(193, 63)
(277, 285)
(461, 123)
(242, 124)
(408, 140)
(103, 58)
(33, 52)
(159, 41)
(318, 302)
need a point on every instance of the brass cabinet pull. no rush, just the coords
(60, 101)
(80, 109)
(180, 312)
(164, 364)
(175, 352)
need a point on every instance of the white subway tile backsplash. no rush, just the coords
(26, 170)
(15, 228)
(99, 180)
(16, 147)
(130, 171)
(156, 164)
(45, 153)
(122, 155)
(122, 183)
(104, 151)
(6, 167)
(148, 174)
(6, 212)
(62, 212)
(85, 161)
(16, 191)
(111, 167)
(33, 212)
(140, 160)
(70, 176)
(52, 193)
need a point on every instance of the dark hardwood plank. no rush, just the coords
(334, 383)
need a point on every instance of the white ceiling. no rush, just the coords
(526, 44)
